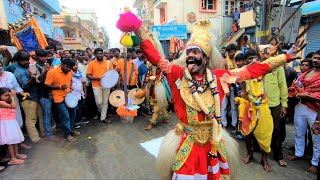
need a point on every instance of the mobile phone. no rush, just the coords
(33, 69)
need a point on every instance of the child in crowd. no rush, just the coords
(240, 63)
(10, 133)
(79, 88)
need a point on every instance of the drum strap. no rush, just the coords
(131, 73)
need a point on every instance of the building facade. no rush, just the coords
(16, 11)
(79, 27)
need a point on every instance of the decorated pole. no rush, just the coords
(125, 88)
(127, 23)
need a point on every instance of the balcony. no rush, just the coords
(74, 22)
(76, 41)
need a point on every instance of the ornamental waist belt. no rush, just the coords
(200, 131)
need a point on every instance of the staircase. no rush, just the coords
(234, 38)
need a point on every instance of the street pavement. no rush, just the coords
(114, 152)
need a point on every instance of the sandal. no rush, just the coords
(16, 162)
(2, 168)
(71, 139)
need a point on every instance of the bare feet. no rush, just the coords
(21, 156)
(265, 165)
(282, 163)
(294, 157)
(312, 169)
(247, 159)
(2, 168)
(24, 146)
(149, 127)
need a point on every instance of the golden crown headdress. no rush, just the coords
(201, 36)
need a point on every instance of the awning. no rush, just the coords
(309, 8)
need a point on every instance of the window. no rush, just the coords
(229, 6)
(208, 5)
(163, 14)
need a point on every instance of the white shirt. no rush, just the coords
(138, 62)
(77, 84)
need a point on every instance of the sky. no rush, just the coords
(107, 12)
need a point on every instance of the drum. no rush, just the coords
(109, 79)
(135, 100)
(71, 100)
(117, 98)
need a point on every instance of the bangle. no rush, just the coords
(13, 99)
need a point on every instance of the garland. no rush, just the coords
(255, 89)
(230, 63)
(216, 119)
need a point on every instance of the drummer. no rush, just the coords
(132, 70)
(95, 71)
(59, 81)
(116, 58)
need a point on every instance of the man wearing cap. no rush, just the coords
(194, 150)
(96, 69)
(59, 81)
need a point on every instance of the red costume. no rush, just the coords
(192, 160)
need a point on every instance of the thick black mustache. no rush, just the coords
(193, 60)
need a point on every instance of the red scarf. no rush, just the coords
(310, 86)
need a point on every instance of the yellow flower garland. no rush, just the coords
(255, 89)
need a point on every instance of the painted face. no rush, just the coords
(195, 60)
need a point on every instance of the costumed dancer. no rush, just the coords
(160, 93)
(194, 149)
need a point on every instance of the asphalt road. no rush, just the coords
(114, 152)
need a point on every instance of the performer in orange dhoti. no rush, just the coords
(195, 149)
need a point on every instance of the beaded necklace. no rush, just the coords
(201, 86)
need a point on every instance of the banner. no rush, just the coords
(29, 36)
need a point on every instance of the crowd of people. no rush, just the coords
(259, 117)
(34, 85)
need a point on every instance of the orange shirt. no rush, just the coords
(57, 77)
(115, 61)
(120, 65)
(97, 69)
